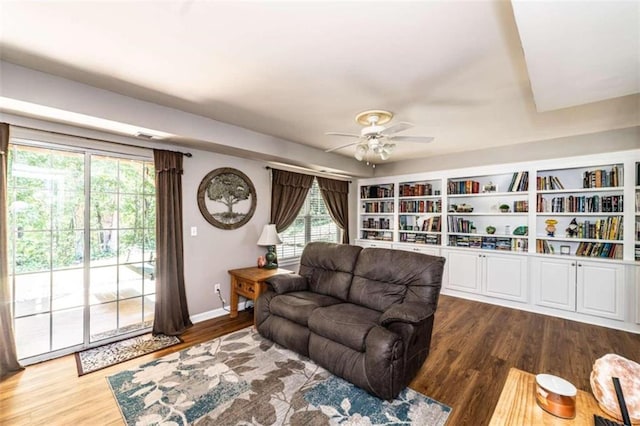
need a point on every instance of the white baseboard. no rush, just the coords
(215, 313)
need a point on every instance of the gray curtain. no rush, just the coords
(288, 192)
(8, 355)
(171, 312)
(335, 194)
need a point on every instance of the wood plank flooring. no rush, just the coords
(474, 345)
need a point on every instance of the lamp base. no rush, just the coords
(271, 258)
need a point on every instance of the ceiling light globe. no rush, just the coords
(384, 154)
(361, 151)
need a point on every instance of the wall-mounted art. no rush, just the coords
(227, 198)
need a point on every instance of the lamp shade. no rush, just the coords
(269, 236)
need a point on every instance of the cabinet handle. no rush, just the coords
(573, 264)
(580, 264)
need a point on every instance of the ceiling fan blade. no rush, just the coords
(351, 135)
(419, 139)
(396, 128)
(341, 146)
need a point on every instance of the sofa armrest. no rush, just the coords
(409, 312)
(286, 283)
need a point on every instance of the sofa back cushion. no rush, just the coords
(328, 267)
(383, 277)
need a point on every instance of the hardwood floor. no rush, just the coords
(473, 347)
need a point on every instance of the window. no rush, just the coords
(312, 224)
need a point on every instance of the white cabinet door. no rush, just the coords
(463, 271)
(505, 276)
(554, 283)
(600, 289)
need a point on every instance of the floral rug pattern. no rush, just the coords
(107, 355)
(243, 378)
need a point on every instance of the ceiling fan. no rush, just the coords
(376, 139)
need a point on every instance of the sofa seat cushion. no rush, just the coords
(345, 323)
(299, 305)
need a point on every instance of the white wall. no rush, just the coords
(570, 146)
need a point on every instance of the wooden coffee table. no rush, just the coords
(517, 405)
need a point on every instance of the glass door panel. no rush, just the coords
(82, 247)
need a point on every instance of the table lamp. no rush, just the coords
(270, 238)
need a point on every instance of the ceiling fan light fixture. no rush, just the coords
(384, 154)
(361, 151)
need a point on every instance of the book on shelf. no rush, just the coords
(543, 246)
(602, 178)
(519, 182)
(544, 183)
(463, 187)
(415, 189)
(581, 204)
(376, 191)
(591, 249)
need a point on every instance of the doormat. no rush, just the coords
(104, 356)
(243, 378)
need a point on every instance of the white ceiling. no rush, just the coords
(296, 70)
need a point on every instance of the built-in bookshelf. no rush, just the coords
(377, 212)
(542, 208)
(489, 212)
(420, 212)
(580, 211)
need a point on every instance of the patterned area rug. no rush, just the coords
(243, 378)
(104, 356)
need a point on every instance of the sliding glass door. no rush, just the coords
(82, 246)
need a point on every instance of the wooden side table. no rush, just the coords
(249, 282)
(517, 405)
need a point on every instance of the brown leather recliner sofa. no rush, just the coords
(366, 315)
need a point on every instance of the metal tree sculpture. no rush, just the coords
(229, 187)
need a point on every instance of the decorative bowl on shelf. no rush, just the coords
(521, 230)
(490, 229)
(504, 208)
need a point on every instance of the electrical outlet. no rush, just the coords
(216, 287)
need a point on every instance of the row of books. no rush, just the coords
(602, 178)
(376, 191)
(602, 229)
(542, 246)
(415, 190)
(463, 187)
(489, 243)
(609, 250)
(431, 239)
(638, 174)
(637, 229)
(458, 224)
(372, 223)
(521, 206)
(377, 235)
(638, 201)
(432, 224)
(377, 207)
(519, 182)
(637, 252)
(581, 204)
(544, 183)
(421, 206)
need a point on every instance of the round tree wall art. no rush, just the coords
(227, 198)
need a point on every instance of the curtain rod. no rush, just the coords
(186, 154)
(313, 172)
